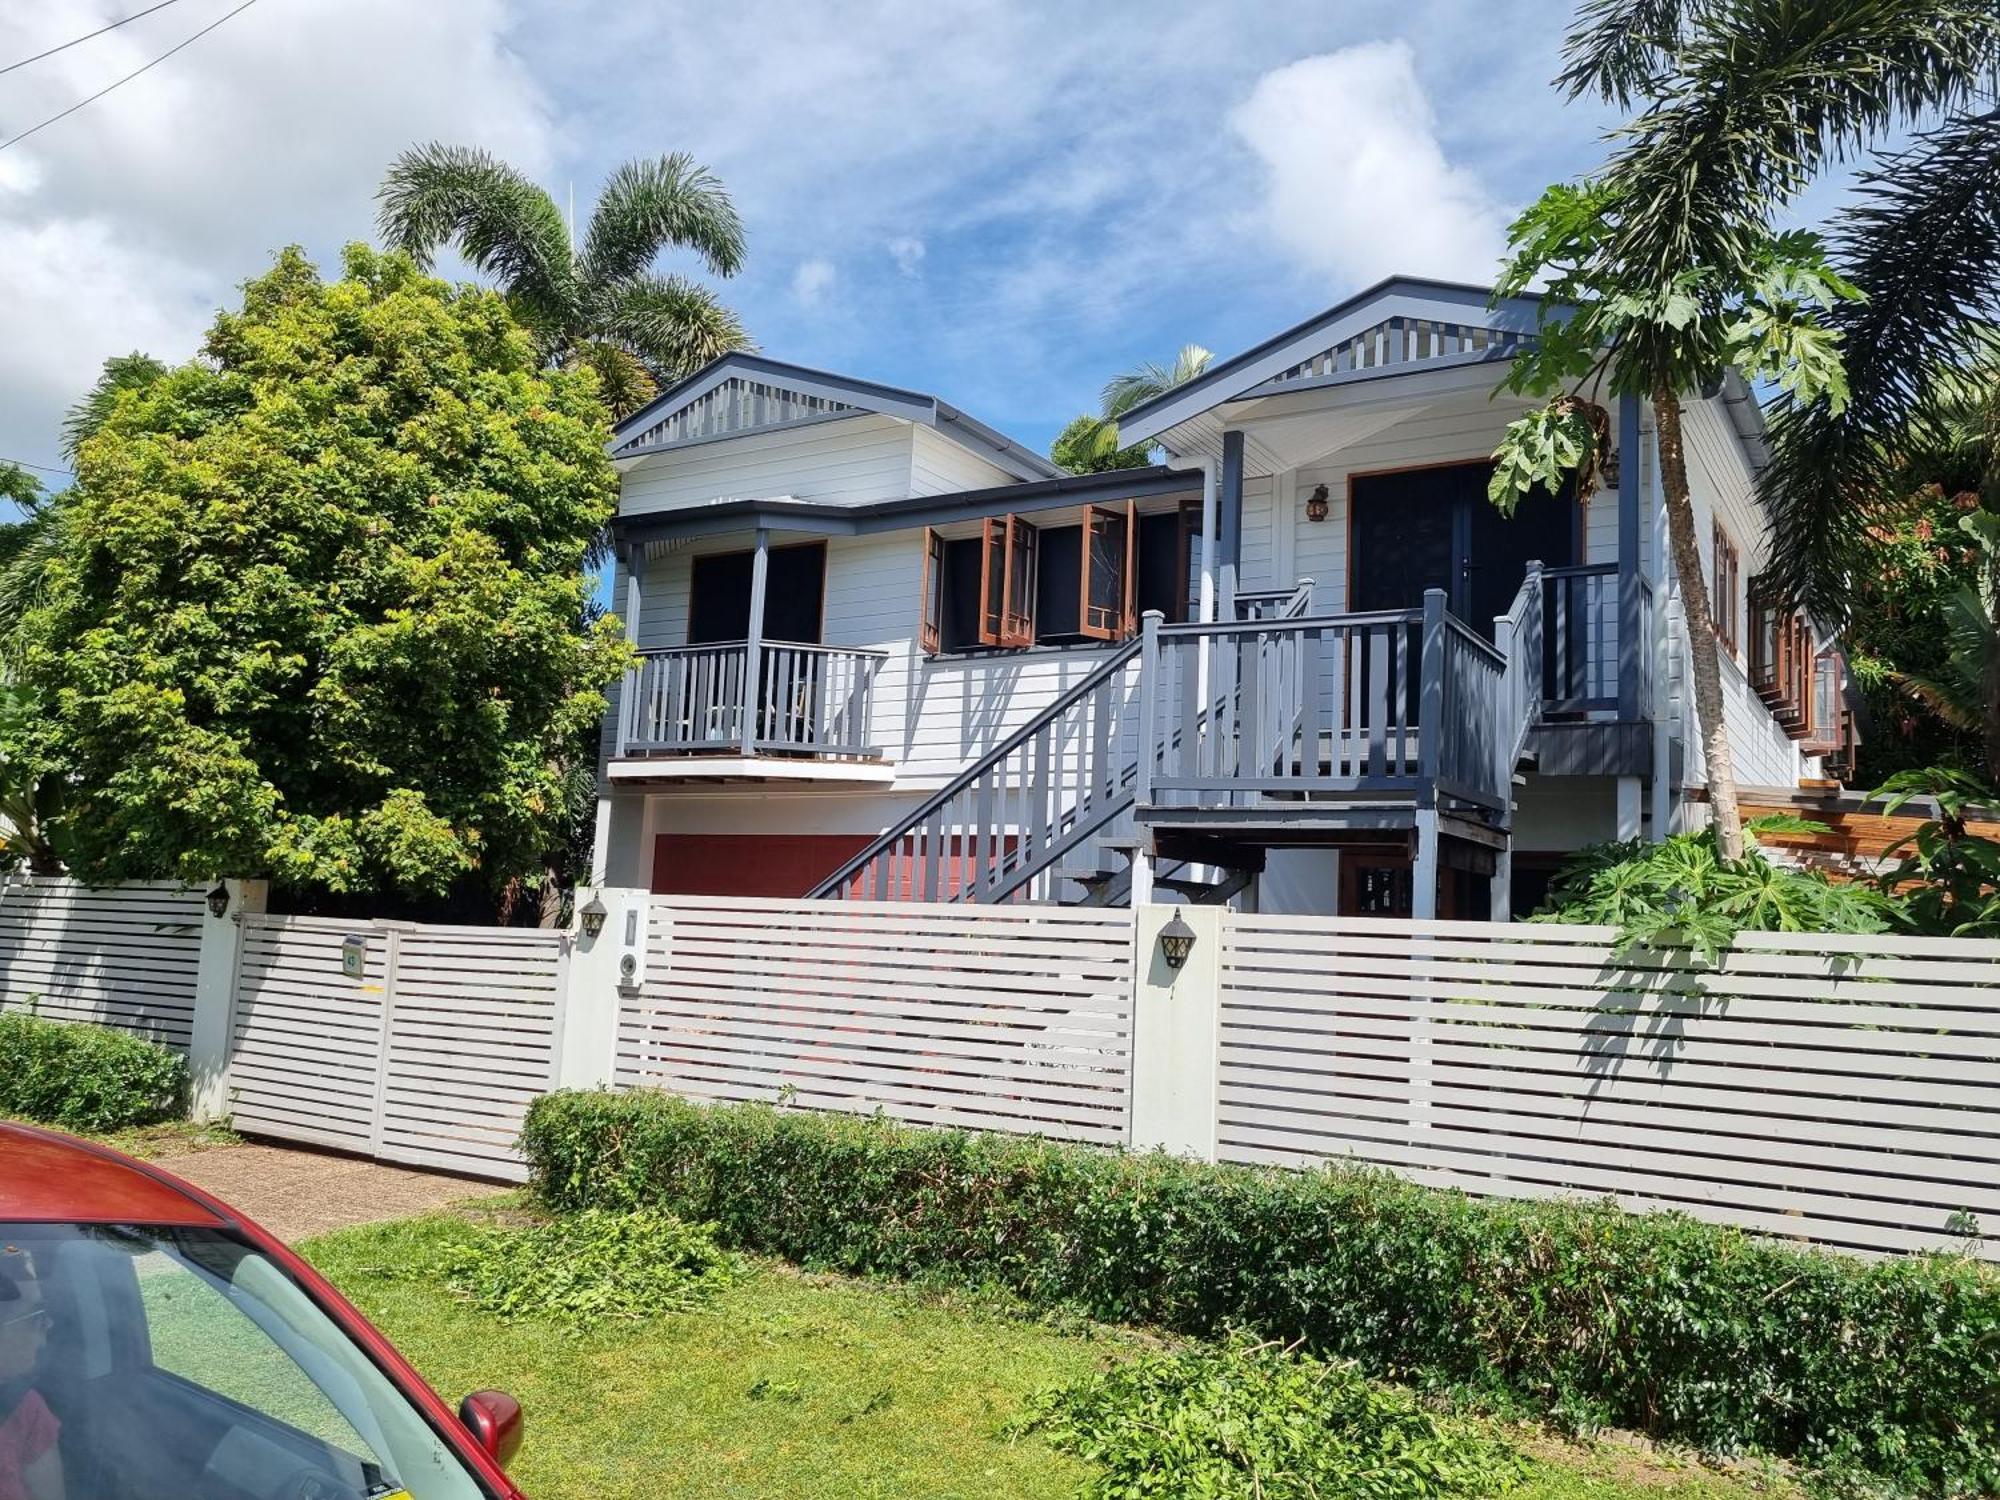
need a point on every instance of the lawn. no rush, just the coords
(790, 1386)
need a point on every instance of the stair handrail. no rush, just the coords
(1105, 670)
(1518, 635)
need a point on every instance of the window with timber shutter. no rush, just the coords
(1111, 538)
(1723, 596)
(930, 629)
(1007, 582)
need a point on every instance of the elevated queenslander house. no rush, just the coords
(887, 652)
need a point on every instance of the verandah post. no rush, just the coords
(1430, 758)
(753, 640)
(1631, 645)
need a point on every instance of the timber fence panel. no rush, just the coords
(125, 955)
(1012, 1017)
(307, 1042)
(1844, 1090)
(473, 1031)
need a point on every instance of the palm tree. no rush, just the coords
(599, 304)
(1089, 444)
(1123, 392)
(1670, 256)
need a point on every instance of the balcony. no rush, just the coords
(774, 702)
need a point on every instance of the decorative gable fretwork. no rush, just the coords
(736, 405)
(1403, 341)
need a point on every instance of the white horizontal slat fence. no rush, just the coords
(1014, 1018)
(1838, 1089)
(123, 955)
(431, 1057)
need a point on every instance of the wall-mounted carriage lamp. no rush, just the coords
(218, 900)
(1316, 504)
(1176, 939)
(593, 916)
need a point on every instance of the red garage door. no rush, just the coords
(749, 864)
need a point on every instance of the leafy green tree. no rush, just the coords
(319, 617)
(28, 543)
(30, 785)
(599, 304)
(1919, 639)
(1664, 270)
(1947, 877)
(1089, 445)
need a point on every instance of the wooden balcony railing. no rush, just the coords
(1583, 656)
(797, 700)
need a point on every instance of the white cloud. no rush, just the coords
(1357, 184)
(127, 224)
(811, 279)
(907, 251)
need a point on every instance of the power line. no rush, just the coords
(22, 463)
(11, 140)
(73, 41)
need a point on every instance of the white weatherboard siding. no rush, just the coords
(1721, 485)
(847, 461)
(939, 466)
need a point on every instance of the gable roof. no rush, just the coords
(1403, 322)
(741, 393)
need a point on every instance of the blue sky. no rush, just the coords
(1002, 203)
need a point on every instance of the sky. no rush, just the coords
(1003, 204)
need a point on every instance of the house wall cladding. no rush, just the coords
(1013, 1018)
(124, 955)
(431, 1056)
(1841, 1089)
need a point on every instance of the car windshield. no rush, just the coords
(156, 1364)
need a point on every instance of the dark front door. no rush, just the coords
(1434, 528)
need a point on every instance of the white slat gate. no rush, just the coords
(1015, 1018)
(431, 1057)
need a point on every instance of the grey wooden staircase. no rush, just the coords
(1272, 722)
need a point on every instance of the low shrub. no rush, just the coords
(1245, 1421)
(79, 1077)
(588, 1267)
(1659, 1322)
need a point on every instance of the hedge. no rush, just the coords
(81, 1077)
(1659, 1322)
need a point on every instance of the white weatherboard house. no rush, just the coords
(887, 652)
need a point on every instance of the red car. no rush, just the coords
(156, 1345)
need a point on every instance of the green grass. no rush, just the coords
(793, 1387)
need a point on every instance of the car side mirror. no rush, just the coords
(494, 1420)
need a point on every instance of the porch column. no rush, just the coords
(1231, 522)
(1205, 589)
(629, 689)
(753, 639)
(1630, 646)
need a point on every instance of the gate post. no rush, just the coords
(596, 980)
(215, 997)
(1176, 1034)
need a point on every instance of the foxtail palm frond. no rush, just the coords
(654, 204)
(675, 325)
(1958, 693)
(1923, 241)
(1620, 49)
(121, 372)
(1123, 392)
(624, 383)
(504, 225)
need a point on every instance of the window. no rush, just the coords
(794, 591)
(1018, 584)
(1724, 594)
